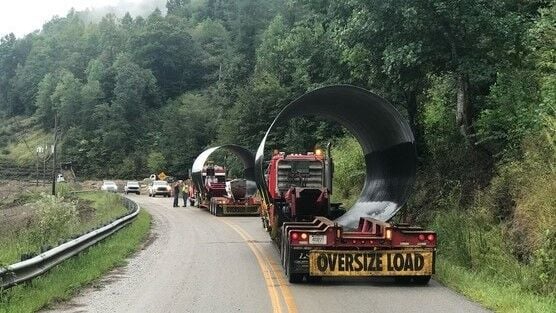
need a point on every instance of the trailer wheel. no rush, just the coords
(293, 278)
(314, 279)
(402, 279)
(421, 280)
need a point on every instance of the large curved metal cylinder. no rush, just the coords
(384, 135)
(243, 154)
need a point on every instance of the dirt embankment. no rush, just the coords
(15, 213)
(16, 210)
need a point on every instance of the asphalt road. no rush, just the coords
(196, 262)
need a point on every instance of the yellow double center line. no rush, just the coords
(272, 273)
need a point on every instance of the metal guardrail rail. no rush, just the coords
(38, 265)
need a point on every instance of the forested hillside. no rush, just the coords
(475, 78)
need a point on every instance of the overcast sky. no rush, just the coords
(24, 16)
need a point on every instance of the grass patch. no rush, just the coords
(23, 149)
(64, 280)
(474, 258)
(496, 293)
(107, 206)
(57, 220)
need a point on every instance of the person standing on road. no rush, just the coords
(185, 192)
(176, 189)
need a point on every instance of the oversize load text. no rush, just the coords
(368, 262)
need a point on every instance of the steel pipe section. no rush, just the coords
(384, 135)
(243, 154)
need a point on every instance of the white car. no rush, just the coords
(159, 187)
(109, 186)
(132, 187)
(60, 178)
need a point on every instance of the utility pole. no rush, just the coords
(37, 168)
(54, 154)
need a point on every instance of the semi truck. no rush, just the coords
(238, 200)
(213, 184)
(312, 245)
(222, 196)
(316, 237)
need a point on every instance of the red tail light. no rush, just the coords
(295, 236)
(421, 237)
(430, 237)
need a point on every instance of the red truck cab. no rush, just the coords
(314, 246)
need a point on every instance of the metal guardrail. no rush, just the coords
(38, 265)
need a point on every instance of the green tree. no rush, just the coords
(247, 122)
(91, 96)
(189, 126)
(156, 162)
(66, 100)
(46, 108)
(166, 48)
(135, 89)
(13, 54)
(214, 41)
(396, 44)
(179, 7)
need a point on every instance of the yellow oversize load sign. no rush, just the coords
(370, 263)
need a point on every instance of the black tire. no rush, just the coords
(293, 278)
(402, 279)
(314, 279)
(421, 280)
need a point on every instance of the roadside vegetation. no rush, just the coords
(497, 245)
(53, 220)
(64, 280)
